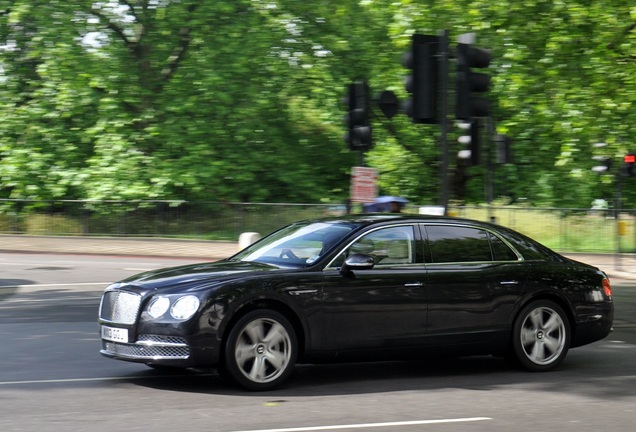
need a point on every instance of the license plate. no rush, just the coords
(115, 334)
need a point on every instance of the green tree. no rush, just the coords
(240, 99)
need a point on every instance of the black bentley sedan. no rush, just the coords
(361, 287)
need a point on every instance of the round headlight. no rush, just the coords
(158, 306)
(185, 307)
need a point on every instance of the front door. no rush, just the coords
(381, 308)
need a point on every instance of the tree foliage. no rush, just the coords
(240, 100)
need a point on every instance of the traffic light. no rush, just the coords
(358, 136)
(421, 84)
(472, 142)
(468, 104)
(604, 164)
(504, 149)
(628, 165)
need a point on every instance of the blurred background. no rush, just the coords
(190, 118)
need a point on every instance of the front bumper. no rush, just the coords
(128, 334)
(149, 349)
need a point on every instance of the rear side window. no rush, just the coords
(458, 244)
(501, 251)
(466, 244)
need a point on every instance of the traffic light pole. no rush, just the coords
(490, 168)
(444, 150)
(618, 206)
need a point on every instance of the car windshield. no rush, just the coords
(297, 245)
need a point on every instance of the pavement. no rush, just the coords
(132, 246)
(617, 266)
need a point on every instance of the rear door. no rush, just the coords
(474, 279)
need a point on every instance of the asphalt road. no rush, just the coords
(52, 377)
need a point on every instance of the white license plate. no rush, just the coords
(115, 334)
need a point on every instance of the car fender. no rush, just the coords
(237, 301)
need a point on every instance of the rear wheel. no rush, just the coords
(541, 336)
(261, 349)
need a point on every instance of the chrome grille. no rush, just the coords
(119, 307)
(163, 340)
(151, 347)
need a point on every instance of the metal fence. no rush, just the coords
(205, 220)
(564, 229)
(573, 230)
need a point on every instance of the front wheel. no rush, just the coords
(261, 350)
(541, 336)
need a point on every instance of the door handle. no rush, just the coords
(509, 283)
(413, 284)
(302, 292)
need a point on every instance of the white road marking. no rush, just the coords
(35, 287)
(96, 287)
(76, 265)
(40, 264)
(10, 303)
(372, 425)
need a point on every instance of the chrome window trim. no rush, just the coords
(520, 258)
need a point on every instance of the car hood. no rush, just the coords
(197, 274)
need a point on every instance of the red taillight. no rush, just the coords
(607, 288)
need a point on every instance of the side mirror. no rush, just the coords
(357, 262)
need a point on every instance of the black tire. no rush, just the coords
(260, 350)
(541, 336)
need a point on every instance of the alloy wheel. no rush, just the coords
(541, 336)
(261, 350)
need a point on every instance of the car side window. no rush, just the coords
(458, 244)
(387, 246)
(500, 250)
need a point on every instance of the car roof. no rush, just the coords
(364, 219)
